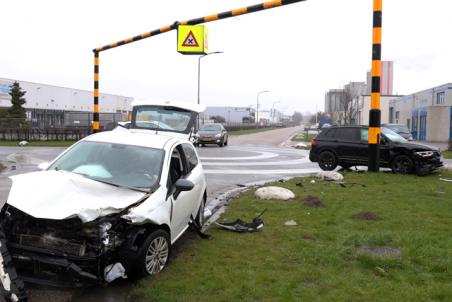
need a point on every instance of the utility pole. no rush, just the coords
(257, 107)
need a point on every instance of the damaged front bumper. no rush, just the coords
(425, 165)
(65, 253)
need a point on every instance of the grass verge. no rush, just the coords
(303, 137)
(250, 131)
(38, 143)
(447, 154)
(321, 259)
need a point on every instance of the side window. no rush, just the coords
(191, 157)
(176, 169)
(328, 133)
(348, 134)
(364, 135)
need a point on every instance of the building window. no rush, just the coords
(408, 123)
(440, 98)
(397, 115)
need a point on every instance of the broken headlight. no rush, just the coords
(424, 153)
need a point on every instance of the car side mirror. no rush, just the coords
(183, 185)
(43, 166)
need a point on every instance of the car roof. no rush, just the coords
(158, 102)
(135, 137)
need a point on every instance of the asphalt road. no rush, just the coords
(248, 159)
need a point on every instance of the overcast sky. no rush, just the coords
(297, 52)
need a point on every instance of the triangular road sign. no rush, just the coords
(190, 40)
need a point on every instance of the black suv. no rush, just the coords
(347, 146)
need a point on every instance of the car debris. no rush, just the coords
(241, 226)
(290, 223)
(446, 179)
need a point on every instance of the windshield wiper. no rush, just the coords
(113, 184)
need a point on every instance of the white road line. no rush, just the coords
(264, 172)
(263, 155)
(261, 163)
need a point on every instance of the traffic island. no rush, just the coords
(331, 253)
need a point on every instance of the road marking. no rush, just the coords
(265, 172)
(263, 155)
(303, 160)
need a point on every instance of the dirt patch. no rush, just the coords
(313, 202)
(366, 216)
(379, 251)
(307, 237)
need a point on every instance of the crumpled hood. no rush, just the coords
(61, 194)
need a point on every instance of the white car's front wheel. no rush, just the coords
(154, 253)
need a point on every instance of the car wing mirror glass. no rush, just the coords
(183, 185)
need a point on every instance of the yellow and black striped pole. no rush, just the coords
(210, 18)
(375, 113)
(96, 93)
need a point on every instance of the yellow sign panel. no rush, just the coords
(192, 39)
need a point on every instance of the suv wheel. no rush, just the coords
(402, 164)
(153, 254)
(327, 161)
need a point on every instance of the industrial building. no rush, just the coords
(428, 113)
(49, 106)
(229, 113)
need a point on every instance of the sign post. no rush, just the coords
(375, 113)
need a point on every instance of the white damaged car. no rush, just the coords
(112, 204)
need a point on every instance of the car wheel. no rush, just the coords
(153, 254)
(200, 217)
(226, 142)
(221, 144)
(327, 161)
(402, 164)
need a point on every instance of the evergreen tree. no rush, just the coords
(17, 113)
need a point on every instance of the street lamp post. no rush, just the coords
(257, 107)
(273, 111)
(199, 75)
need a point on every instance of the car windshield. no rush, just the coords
(116, 164)
(210, 128)
(399, 128)
(392, 136)
(169, 119)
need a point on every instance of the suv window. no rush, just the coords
(191, 157)
(364, 135)
(347, 134)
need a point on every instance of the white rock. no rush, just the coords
(290, 223)
(274, 193)
(23, 143)
(313, 181)
(303, 146)
(330, 175)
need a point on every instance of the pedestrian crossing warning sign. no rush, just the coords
(192, 39)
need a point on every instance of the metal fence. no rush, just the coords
(43, 134)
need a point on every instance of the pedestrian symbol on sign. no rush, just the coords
(190, 40)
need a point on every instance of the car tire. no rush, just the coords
(200, 216)
(327, 161)
(153, 254)
(402, 164)
(221, 144)
(226, 142)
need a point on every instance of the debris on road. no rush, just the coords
(303, 146)
(23, 143)
(290, 223)
(313, 202)
(330, 175)
(274, 193)
(241, 226)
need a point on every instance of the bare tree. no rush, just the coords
(348, 102)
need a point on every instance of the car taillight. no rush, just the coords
(313, 142)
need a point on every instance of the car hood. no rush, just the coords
(420, 146)
(60, 195)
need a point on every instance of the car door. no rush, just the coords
(363, 149)
(182, 203)
(348, 141)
